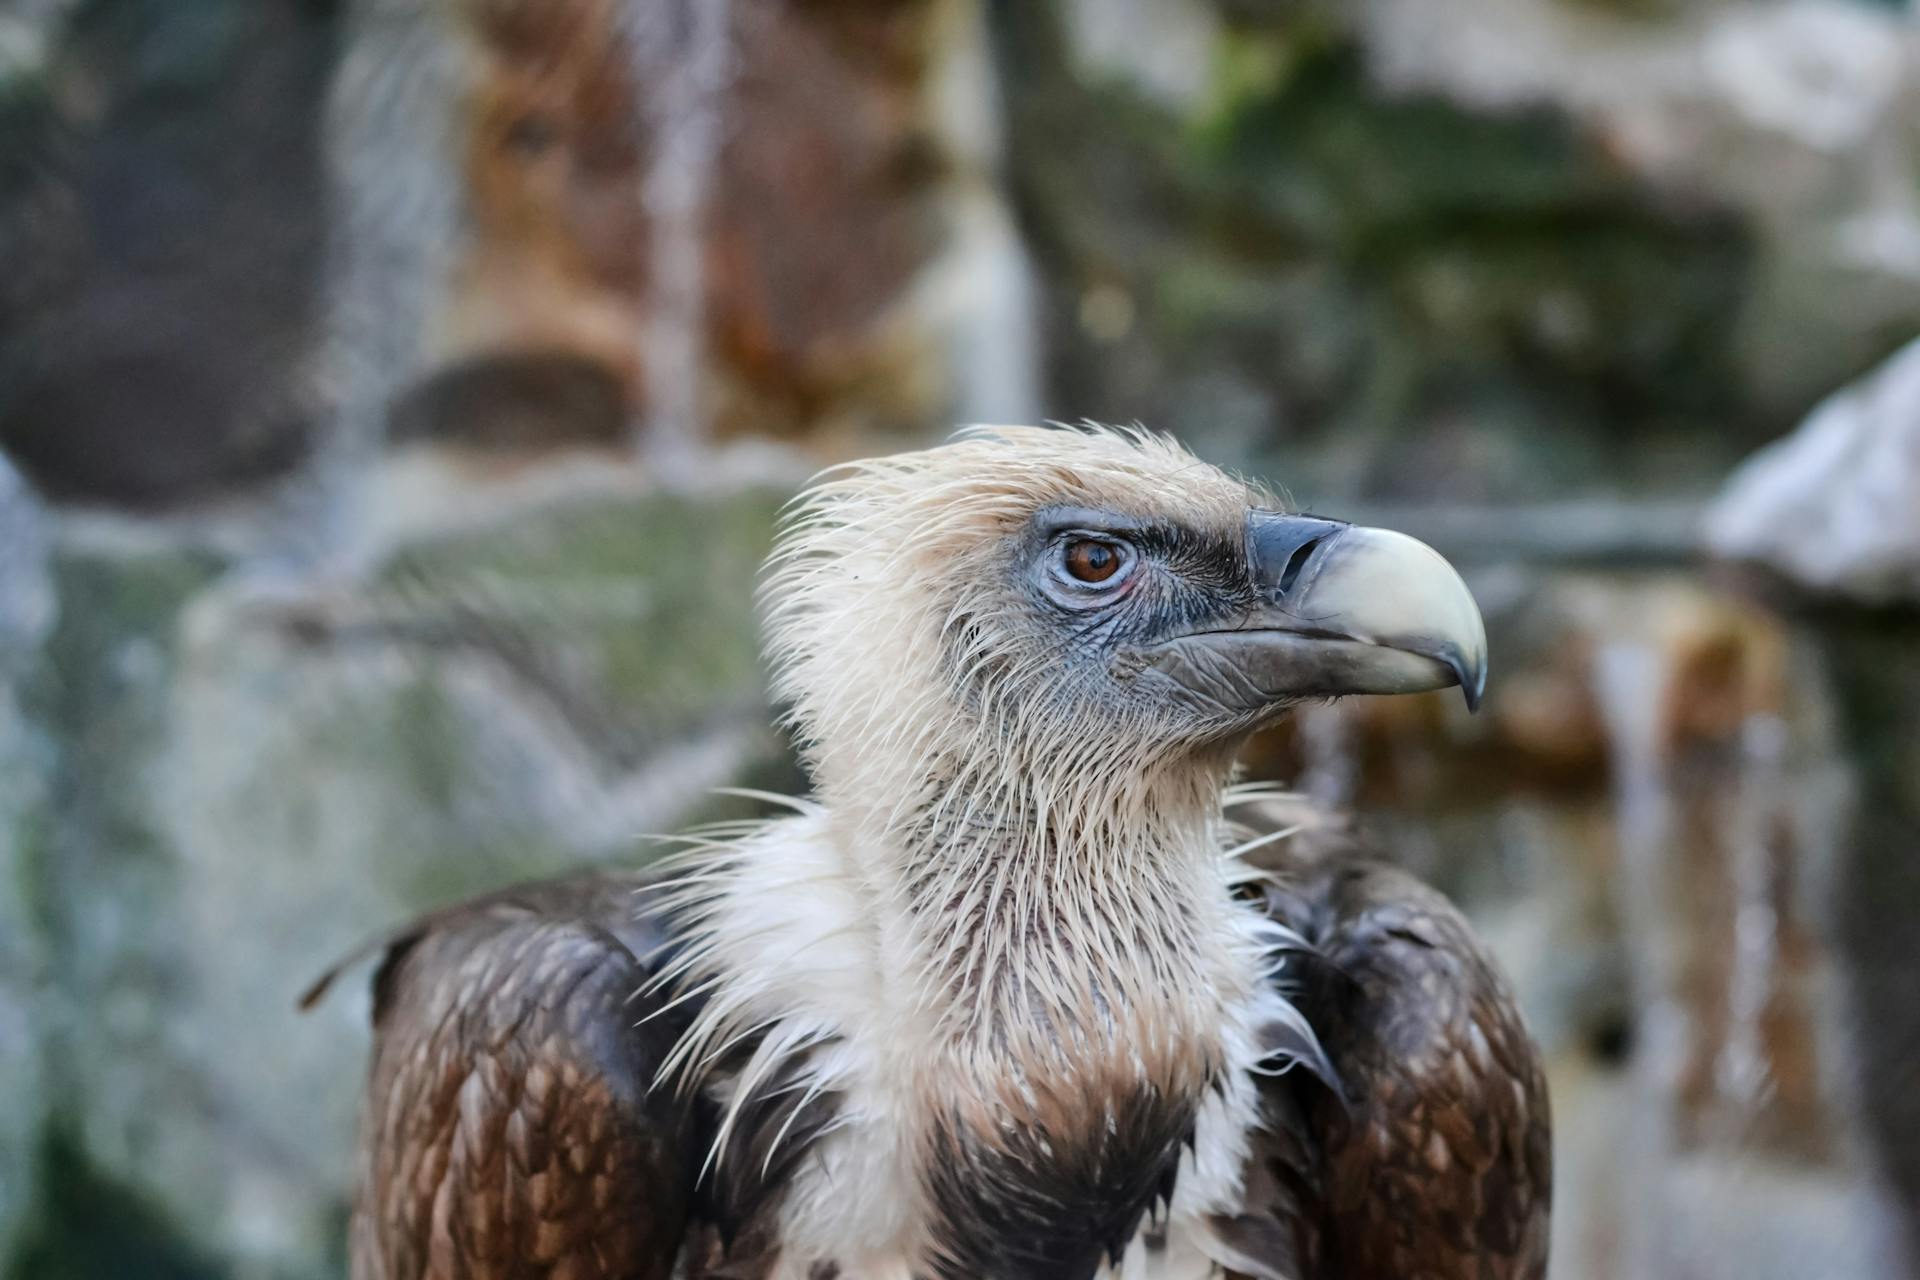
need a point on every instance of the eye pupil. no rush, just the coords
(1091, 561)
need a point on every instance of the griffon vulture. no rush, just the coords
(1010, 996)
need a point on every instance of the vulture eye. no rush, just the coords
(1092, 560)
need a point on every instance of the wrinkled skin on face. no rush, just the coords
(1210, 629)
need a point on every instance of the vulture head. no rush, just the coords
(1086, 609)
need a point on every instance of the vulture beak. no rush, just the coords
(1340, 609)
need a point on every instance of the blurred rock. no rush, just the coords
(160, 215)
(834, 181)
(1723, 783)
(1835, 506)
(26, 34)
(1876, 884)
(26, 613)
(1165, 48)
(105, 885)
(26, 594)
(1464, 251)
(1362, 289)
(228, 259)
(839, 190)
(249, 784)
(1798, 116)
(545, 256)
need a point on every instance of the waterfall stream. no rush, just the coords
(683, 65)
(1630, 687)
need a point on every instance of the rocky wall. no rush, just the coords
(1466, 252)
(215, 791)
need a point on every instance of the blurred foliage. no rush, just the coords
(90, 1228)
(1373, 269)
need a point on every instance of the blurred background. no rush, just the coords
(396, 397)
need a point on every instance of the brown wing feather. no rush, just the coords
(1436, 1165)
(510, 1133)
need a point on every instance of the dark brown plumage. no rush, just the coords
(514, 1133)
(1432, 1159)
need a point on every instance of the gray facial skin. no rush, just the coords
(1339, 609)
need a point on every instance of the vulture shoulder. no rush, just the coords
(1428, 1155)
(511, 1132)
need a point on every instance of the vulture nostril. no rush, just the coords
(1295, 563)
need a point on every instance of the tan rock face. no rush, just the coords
(821, 208)
(827, 208)
(553, 277)
(471, 236)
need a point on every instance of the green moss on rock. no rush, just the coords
(1367, 270)
(638, 615)
(99, 697)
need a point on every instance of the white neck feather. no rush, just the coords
(1050, 915)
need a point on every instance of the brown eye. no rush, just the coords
(1089, 560)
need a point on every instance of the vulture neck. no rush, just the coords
(1051, 909)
